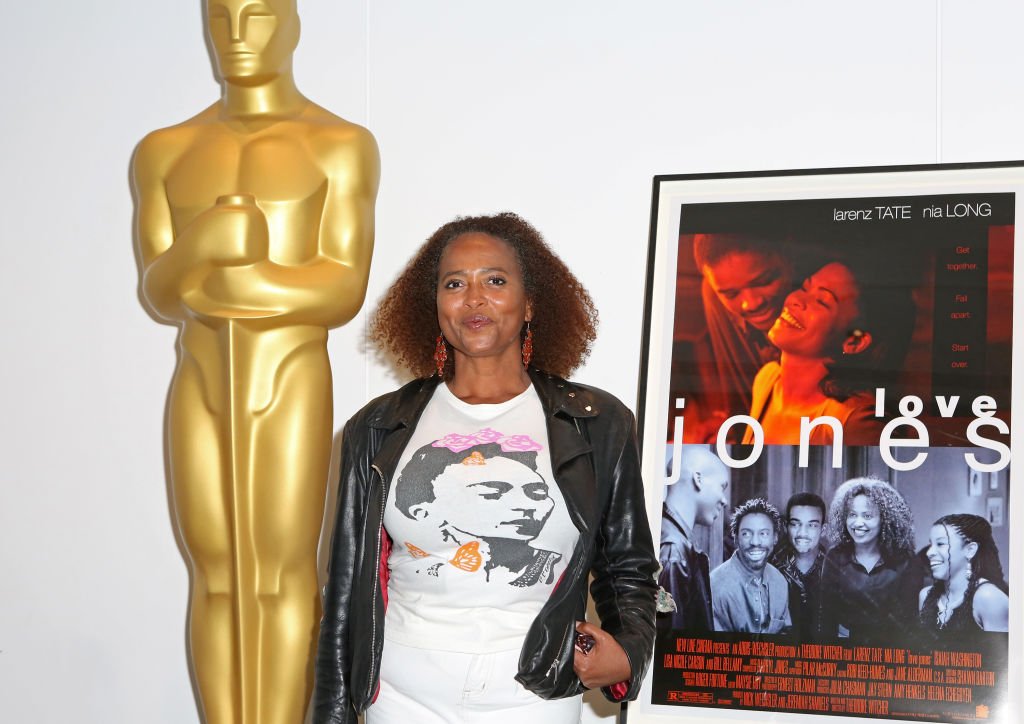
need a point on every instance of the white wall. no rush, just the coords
(562, 111)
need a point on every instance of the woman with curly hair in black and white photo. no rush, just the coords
(869, 580)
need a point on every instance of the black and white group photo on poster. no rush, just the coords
(826, 425)
(862, 552)
(860, 556)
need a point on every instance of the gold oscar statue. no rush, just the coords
(254, 224)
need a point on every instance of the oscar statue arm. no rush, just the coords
(154, 228)
(328, 289)
(176, 269)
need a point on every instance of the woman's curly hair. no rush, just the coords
(897, 534)
(564, 323)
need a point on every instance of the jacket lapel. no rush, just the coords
(568, 409)
(574, 470)
(397, 421)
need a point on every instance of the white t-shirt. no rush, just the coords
(480, 533)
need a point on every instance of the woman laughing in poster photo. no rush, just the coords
(839, 337)
(969, 593)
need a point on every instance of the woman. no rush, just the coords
(869, 580)
(969, 592)
(838, 340)
(476, 500)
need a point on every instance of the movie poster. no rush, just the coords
(827, 444)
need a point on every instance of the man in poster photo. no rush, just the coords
(748, 593)
(698, 495)
(799, 558)
(745, 280)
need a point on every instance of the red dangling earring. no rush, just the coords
(440, 355)
(527, 346)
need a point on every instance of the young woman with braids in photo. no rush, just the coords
(870, 578)
(476, 501)
(969, 593)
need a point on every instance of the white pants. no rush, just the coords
(421, 686)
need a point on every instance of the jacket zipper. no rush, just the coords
(376, 581)
(552, 670)
(569, 630)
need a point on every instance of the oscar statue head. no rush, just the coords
(251, 41)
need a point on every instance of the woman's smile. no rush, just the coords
(937, 567)
(787, 318)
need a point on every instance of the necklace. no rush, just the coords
(944, 611)
(945, 608)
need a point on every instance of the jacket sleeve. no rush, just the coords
(623, 587)
(331, 700)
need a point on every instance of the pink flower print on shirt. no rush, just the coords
(455, 442)
(519, 443)
(487, 435)
(509, 443)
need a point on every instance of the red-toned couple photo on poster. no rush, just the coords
(783, 311)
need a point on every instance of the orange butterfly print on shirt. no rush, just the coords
(468, 557)
(416, 552)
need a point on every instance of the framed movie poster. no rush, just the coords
(827, 442)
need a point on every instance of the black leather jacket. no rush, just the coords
(595, 460)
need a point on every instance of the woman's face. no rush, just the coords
(481, 298)
(948, 553)
(863, 521)
(494, 498)
(817, 317)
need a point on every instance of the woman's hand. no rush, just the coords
(606, 664)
